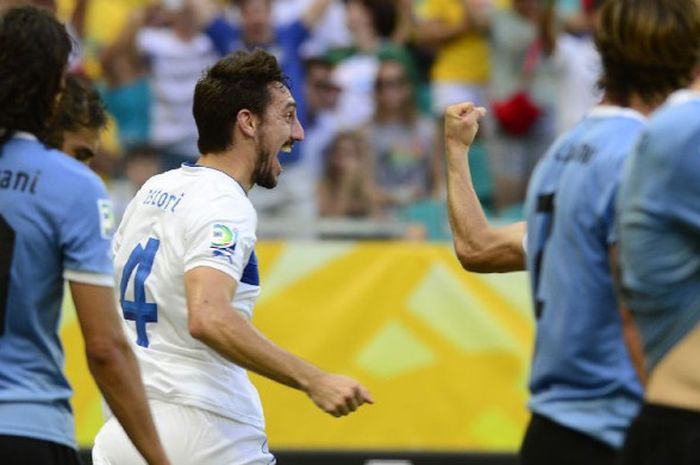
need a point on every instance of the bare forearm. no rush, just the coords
(480, 247)
(116, 373)
(234, 337)
(315, 12)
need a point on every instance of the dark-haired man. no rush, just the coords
(79, 120)
(188, 274)
(585, 389)
(54, 224)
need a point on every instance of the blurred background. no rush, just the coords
(358, 273)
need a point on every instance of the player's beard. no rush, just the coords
(264, 169)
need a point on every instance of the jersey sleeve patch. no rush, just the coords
(223, 241)
(106, 213)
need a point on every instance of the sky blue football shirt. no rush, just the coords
(659, 222)
(582, 377)
(55, 223)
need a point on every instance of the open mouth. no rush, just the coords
(287, 148)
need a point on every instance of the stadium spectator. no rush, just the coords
(193, 229)
(585, 388)
(402, 141)
(55, 225)
(577, 67)
(522, 41)
(321, 95)
(372, 24)
(140, 163)
(168, 36)
(347, 188)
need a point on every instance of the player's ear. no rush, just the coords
(248, 122)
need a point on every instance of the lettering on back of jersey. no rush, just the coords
(104, 209)
(19, 181)
(583, 153)
(223, 241)
(164, 200)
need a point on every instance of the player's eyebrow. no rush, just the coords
(290, 105)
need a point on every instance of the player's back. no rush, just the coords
(581, 376)
(189, 217)
(659, 212)
(54, 224)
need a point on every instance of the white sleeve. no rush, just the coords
(525, 244)
(222, 238)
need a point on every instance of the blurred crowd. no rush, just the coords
(372, 79)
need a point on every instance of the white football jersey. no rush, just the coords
(179, 220)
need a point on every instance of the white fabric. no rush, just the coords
(578, 70)
(175, 68)
(190, 436)
(355, 75)
(175, 366)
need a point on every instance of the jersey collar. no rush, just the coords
(611, 111)
(24, 135)
(683, 96)
(191, 164)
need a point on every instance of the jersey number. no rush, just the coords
(138, 310)
(7, 247)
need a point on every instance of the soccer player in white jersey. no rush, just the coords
(54, 226)
(659, 224)
(188, 279)
(585, 390)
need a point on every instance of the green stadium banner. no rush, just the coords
(444, 352)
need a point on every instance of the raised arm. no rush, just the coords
(214, 321)
(315, 12)
(115, 369)
(480, 247)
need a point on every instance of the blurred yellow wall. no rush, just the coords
(444, 352)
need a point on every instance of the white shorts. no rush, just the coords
(191, 436)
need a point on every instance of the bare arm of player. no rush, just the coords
(630, 332)
(114, 367)
(214, 321)
(480, 247)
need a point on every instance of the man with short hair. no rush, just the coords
(79, 120)
(188, 274)
(55, 224)
(585, 389)
(659, 223)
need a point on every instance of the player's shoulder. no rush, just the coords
(70, 177)
(677, 118)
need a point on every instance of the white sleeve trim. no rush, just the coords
(86, 277)
(525, 244)
(215, 264)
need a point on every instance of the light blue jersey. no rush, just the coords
(659, 221)
(55, 223)
(582, 376)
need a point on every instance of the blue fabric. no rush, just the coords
(228, 38)
(659, 222)
(582, 376)
(56, 222)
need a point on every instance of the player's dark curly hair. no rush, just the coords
(648, 47)
(239, 81)
(80, 107)
(34, 49)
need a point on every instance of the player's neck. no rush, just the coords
(635, 103)
(239, 168)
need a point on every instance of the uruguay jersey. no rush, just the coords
(659, 222)
(582, 376)
(55, 223)
(186, 218)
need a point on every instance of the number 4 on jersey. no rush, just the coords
(139, 310)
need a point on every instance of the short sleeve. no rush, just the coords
(222, 238)
(86, 235)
